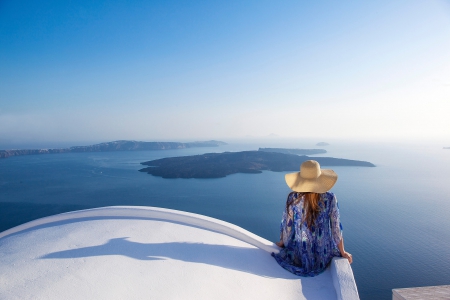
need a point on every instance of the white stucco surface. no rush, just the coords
(145, 253)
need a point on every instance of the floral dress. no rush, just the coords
(308, 251)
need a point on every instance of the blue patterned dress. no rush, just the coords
(308, 252)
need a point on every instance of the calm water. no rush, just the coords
(396, 216)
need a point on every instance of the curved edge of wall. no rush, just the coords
(341, 272)
(343, 280)
(148, 212)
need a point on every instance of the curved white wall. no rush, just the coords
(341, 271)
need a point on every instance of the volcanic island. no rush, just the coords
(219, 165)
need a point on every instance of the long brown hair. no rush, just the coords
(311, 206)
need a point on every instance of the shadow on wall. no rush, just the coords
(250, 260)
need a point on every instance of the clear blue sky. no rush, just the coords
(187, 70)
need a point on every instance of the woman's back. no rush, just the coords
(309, 248)
(310, 229)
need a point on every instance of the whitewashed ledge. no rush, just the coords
(438, 292)
(131, 252)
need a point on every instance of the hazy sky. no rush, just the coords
(188, 70)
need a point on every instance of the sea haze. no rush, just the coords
(395, 216)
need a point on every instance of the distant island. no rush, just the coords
(114, 146)
(218, 165)
(446, 147)
(322, 144)
(294, 151)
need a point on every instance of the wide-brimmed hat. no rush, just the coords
(311, 178)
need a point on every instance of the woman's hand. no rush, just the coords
(280, 244)
(347, 256)
(344, 253)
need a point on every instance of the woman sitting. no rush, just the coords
(311, 233)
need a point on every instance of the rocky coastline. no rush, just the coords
(113, 146)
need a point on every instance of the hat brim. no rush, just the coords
(320, 185)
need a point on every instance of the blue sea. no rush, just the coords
(396, 217)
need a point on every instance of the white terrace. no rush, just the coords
(151, 253)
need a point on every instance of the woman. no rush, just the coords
(311, 233)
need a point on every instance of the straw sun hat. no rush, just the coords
(311, 178)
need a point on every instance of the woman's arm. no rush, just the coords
(343, 252)
(336, 229)
(286, 228)
(286, 222)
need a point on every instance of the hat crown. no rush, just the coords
(310, 169)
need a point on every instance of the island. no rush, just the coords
(122, 145)
(218, 165)
(446, 147)
(294, 151)
(322, 144)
